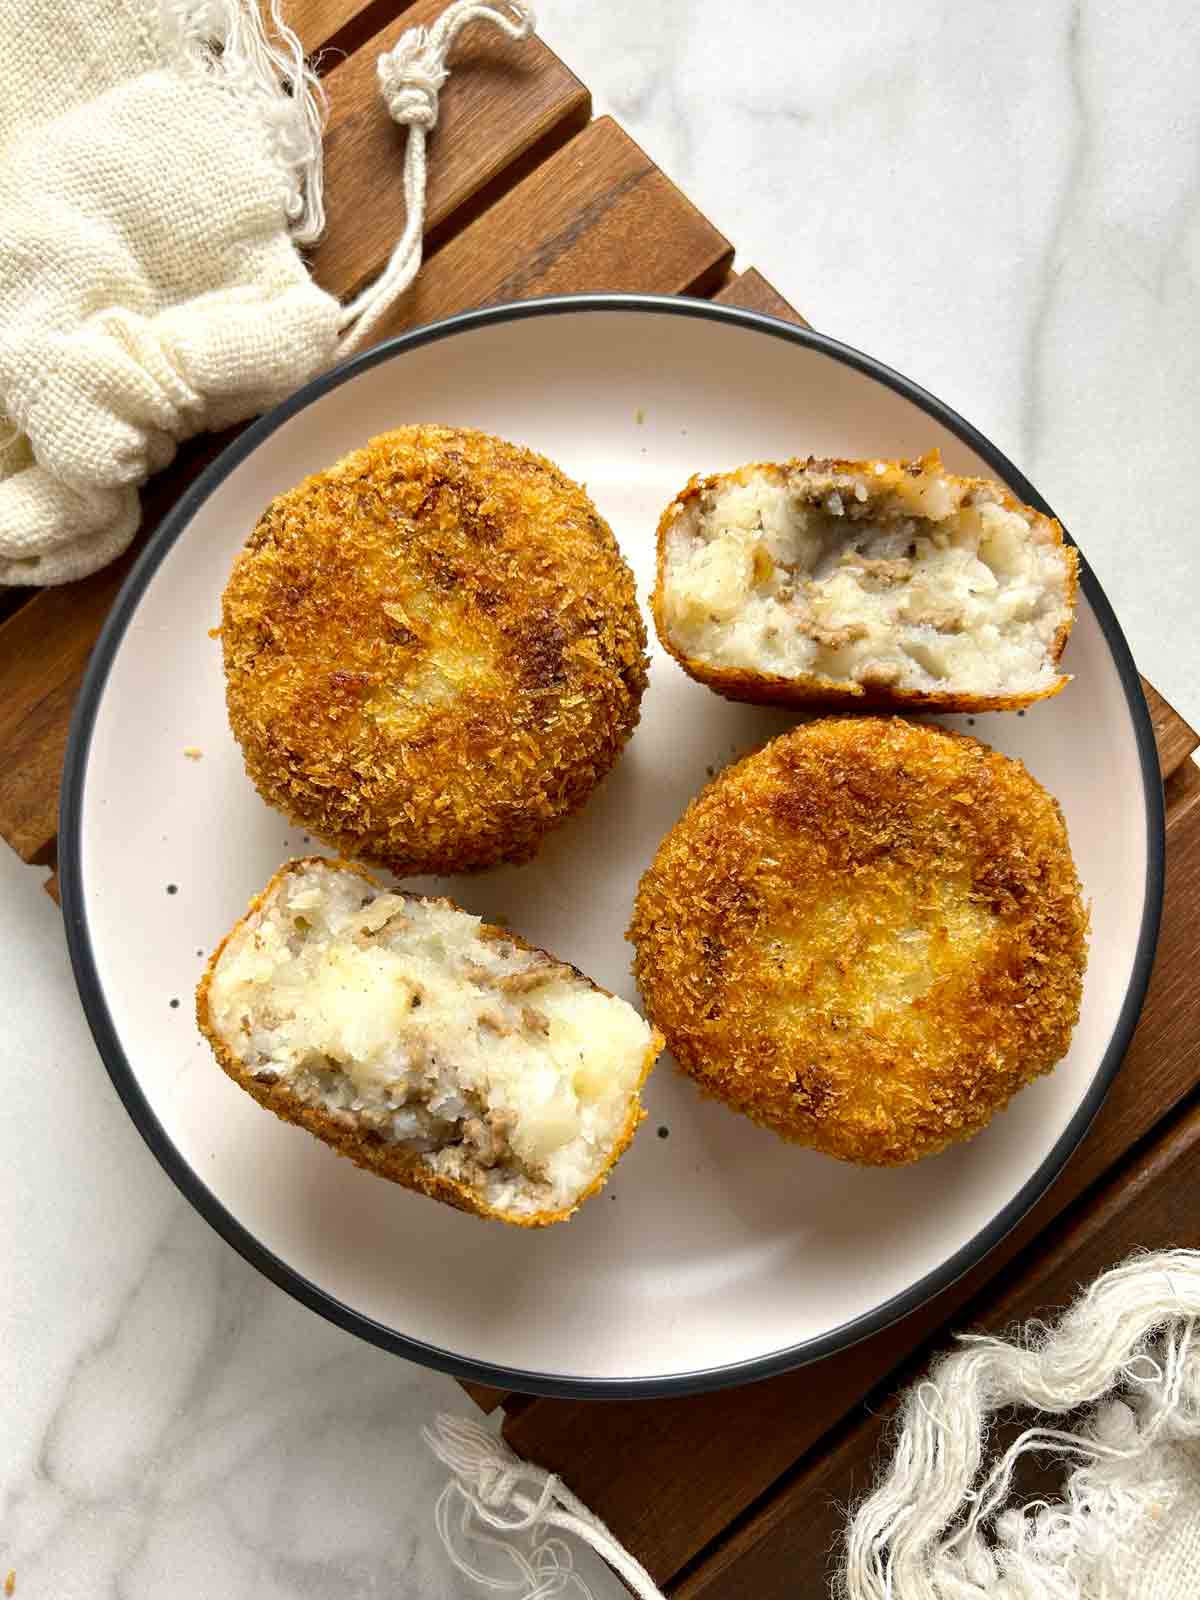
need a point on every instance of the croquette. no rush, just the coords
(864, 584)
(433, 651)
(867, 936)
(426, 1045)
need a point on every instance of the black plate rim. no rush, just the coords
(243, 1241)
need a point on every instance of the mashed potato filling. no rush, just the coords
(891, 577)
(494, 1065)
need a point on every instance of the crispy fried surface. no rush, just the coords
(866, 936)
(363, 1145)
(433, 651)
(810, 691)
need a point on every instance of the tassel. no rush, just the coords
(494, 1489)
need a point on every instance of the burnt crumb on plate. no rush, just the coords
(172, 888)
(174, 1005)
(664, 1132)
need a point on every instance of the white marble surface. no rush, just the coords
(1001, 201)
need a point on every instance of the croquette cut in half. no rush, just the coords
(856, 584)
(867, 936)
(426, 1045)
(433, 651)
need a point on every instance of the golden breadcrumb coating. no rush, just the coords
(866, 936)
(433, 651)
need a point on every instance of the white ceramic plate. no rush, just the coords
(717, 1254)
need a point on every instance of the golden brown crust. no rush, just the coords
(812, 691)
(364, 1146)
(433, 651)
(866, 936)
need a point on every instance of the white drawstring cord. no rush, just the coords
(494, 1489)
(410, 76)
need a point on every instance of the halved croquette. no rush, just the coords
(864, 583)
(427, 1046)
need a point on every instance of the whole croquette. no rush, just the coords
(433, 651)
(866, 936)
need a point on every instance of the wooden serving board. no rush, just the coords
(741, 1492)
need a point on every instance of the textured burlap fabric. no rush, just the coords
(151, 191)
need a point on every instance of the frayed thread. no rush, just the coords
(1124, 1366)
(261, 62)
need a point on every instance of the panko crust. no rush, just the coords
(866, 936)
(364, 1146)
(813, 690)
(433, 651)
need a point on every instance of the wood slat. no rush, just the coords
(330, 30)
(568, 226)
(504, 99)
(787, 1548)
(751, 290)
(1182, 790)
(486, 1399)
(626, 1460)
(1175, 740)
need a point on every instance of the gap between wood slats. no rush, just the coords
(332, 30)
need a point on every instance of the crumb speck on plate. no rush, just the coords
(664, 1132)
(639, 416)
(172, 888)
(10, 1583)
(193, 752)
(174, 1005)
